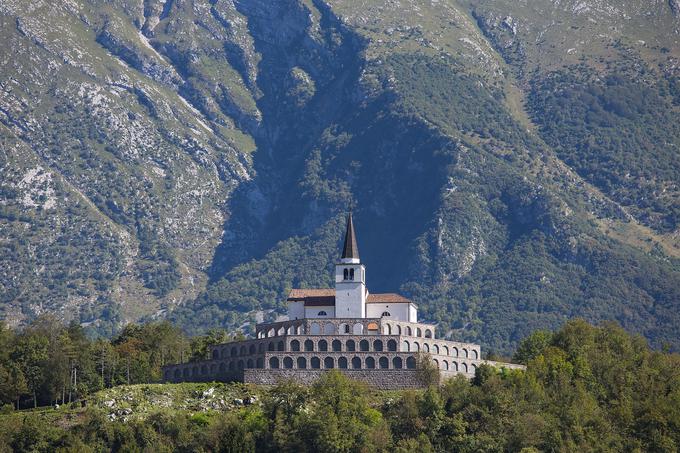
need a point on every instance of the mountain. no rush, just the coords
(512, 164)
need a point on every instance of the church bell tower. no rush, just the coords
(350, 278)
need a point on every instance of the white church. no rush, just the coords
(375, 338)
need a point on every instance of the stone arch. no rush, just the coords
(329, 329)
(436, 362)
(407, 331)
(259, 363)
(290, 330)
(358, 328)
(273, 362)
(309, 345)
(315, 362)
(416, 346)
(419, 333)
(445, 350)
(426, 347)
(363, 345)
(465, 353)
(280, 346)
(411, 363)
(329, 362)
(342, 362)
(378, 345)
(323, 345)
(271, 332)
(398, 329)
(315, 329)
(405, 346)
(345, 329)
(464, 367)
(397, 363)
(287, 362)
(356, 363)
(271, 346)
(445, 365)
(428, 333)
(252, 349)
(435, 349)
(370, 362)
(391, 345)
(234, 351)
(295, 345)
(473, 368)
(387, 329)
(384, 363)
(243, 350)
(454, 366)
(301, 363)
(454, 352)
(336, 345)
(475, 354)
(350, 345)
(249, 363)
(281, 331)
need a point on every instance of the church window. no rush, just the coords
(336, 345)
(351, 274)
(363, 345)
(391, 345)
(288, 362)
(370, 362)
(274, 362)
(295, 345)
(377, 345)
(342, 362)
(411, 363)
(397, 363)
(309, 345)
(301, 363)
(315, 362)
(328, 362)
(323, 345)
(386, 313)
(384, 362)
(345, 274)
(350, 345)
(322, 313)
(356, 363)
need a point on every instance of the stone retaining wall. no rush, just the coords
(379, 379)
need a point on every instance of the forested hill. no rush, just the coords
(585, 389)
(512, 164)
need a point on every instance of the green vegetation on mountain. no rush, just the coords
(512, 164)
(586, 388)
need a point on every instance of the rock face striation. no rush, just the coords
(164, 158)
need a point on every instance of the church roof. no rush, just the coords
(350, 248)
(391, 298)
(325, 297)
(313, 297)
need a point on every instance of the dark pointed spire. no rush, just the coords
(350, 249)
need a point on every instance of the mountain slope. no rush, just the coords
(210, 150)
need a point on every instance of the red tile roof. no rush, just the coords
(313, 297)
(391, 298)
(326, 297)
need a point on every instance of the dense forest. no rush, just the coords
(586, 388)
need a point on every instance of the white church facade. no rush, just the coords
(375, 338)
